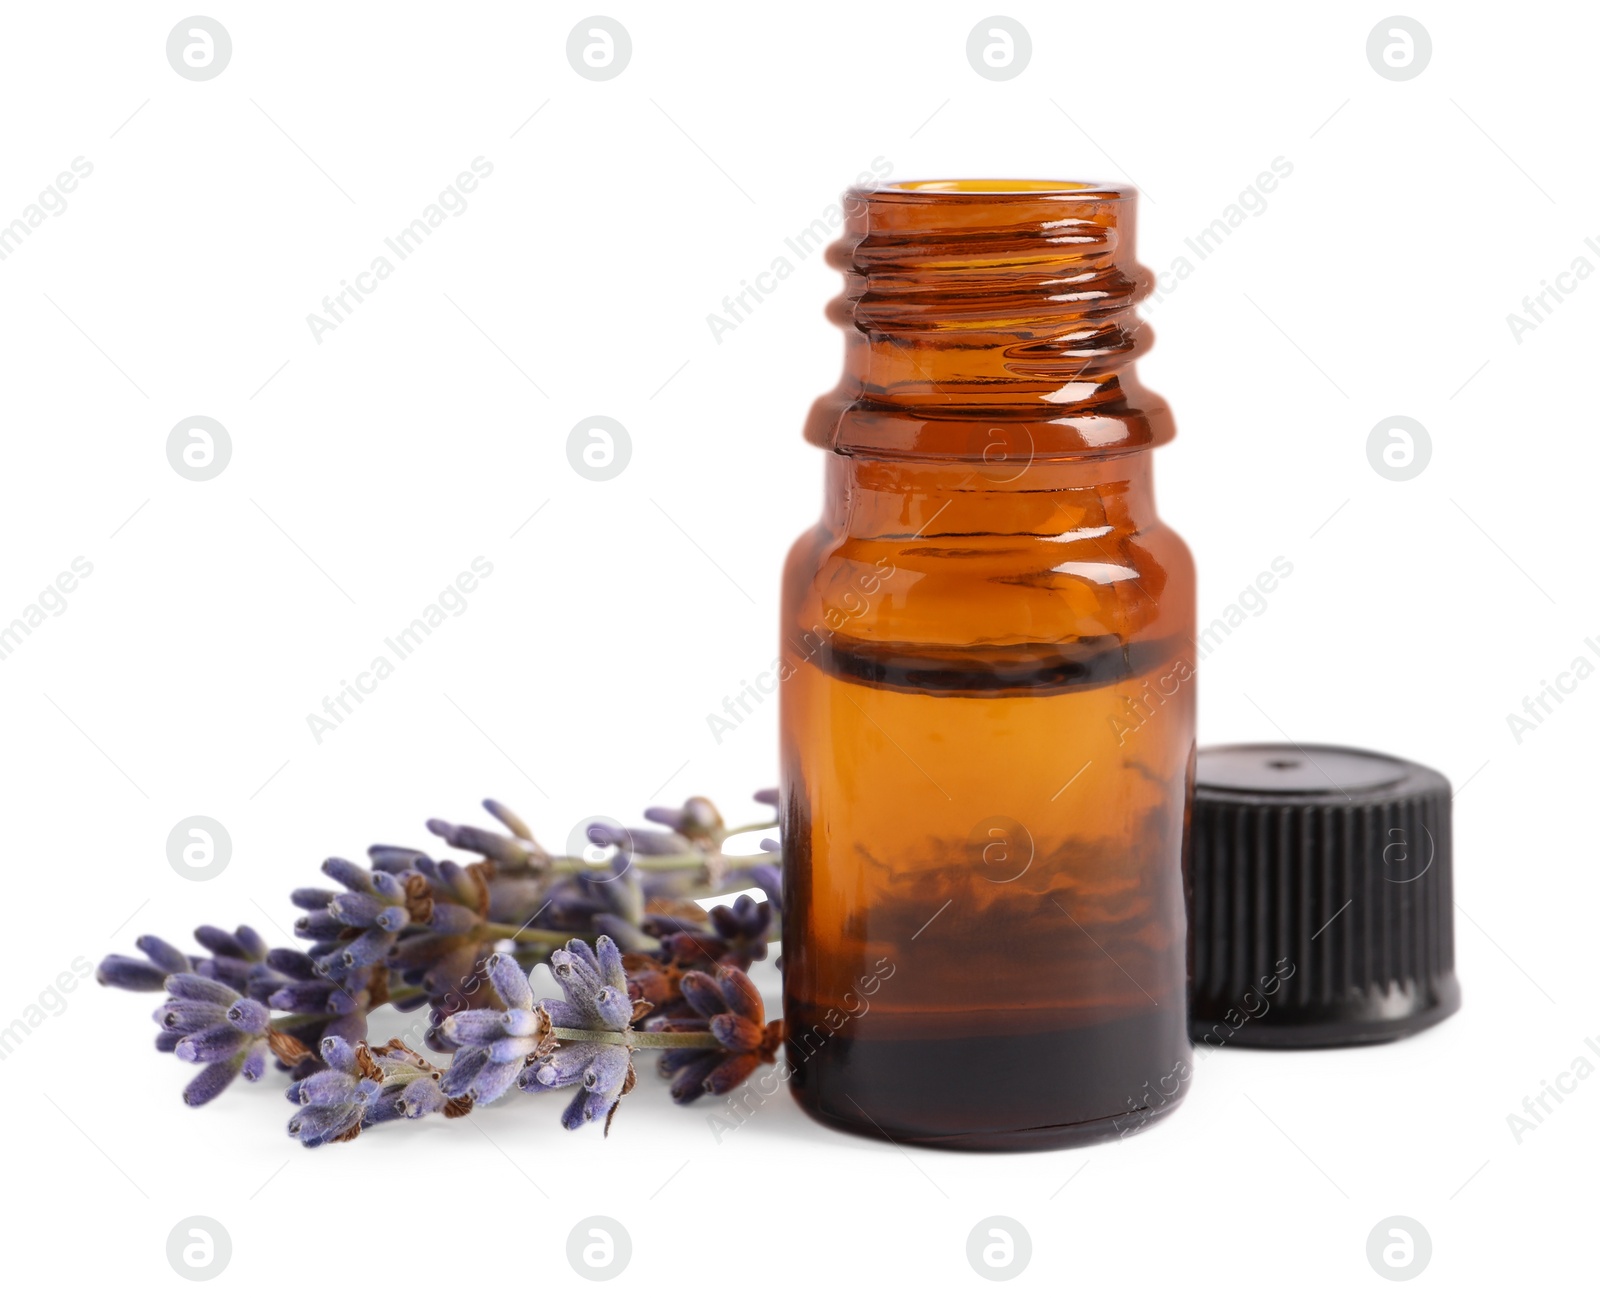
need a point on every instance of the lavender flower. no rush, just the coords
(495, 1045)
(730, 1008)
(315, 1006)
(363, 1086)
(595, 998)
(236, 958)
(208, 1022)
(354, 929)
(737, 935)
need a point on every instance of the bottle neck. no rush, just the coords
(978, 313)
(924, 499)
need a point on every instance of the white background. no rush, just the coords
(370, 467)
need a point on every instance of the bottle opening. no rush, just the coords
(1077, 189)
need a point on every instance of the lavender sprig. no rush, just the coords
(411, 930)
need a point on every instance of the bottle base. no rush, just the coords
(1096, 1131)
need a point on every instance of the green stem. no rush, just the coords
(748, 829)
(641, 1040)
(530, 936)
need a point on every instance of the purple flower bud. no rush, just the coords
(318, 924)
(497, 847)
(509, 819)
(255, 1062)
(474, 1027)
(318, 1124)
(494, 1079)
(190, 1016)
(463, 1071)
(396, 859)
(702, 993)
(347, 874)
(508, 1050)
(163, 954)
(209, 1045)
(358, 909)
(608, 1070)
(510, 983)
(520, 1023)
(211, 1081)
(249, 1016)
(391, 919)
(452, 919)
(421, 1097)
(689, 1083)
(736, 1033)
(613, 1008)
(130, 975)
(565, 1067)
(193, 987)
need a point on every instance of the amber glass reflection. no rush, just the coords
(988, 694)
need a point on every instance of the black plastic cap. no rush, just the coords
(1320, 897)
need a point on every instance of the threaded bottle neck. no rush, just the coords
(976, 307)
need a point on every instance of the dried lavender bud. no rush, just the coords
(736, 935)
(698, 818)
(639, 842)
(508, 852)
(236, 958)
(363, 1086)
(148, 975)
(355, 929)
(495, 1045)
(214, 1026)
(729, 1007)
(595, 994)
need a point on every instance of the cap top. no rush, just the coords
(1268, 769)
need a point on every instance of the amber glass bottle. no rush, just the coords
(988, 687)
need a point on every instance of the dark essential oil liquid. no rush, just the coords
(984, 919)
